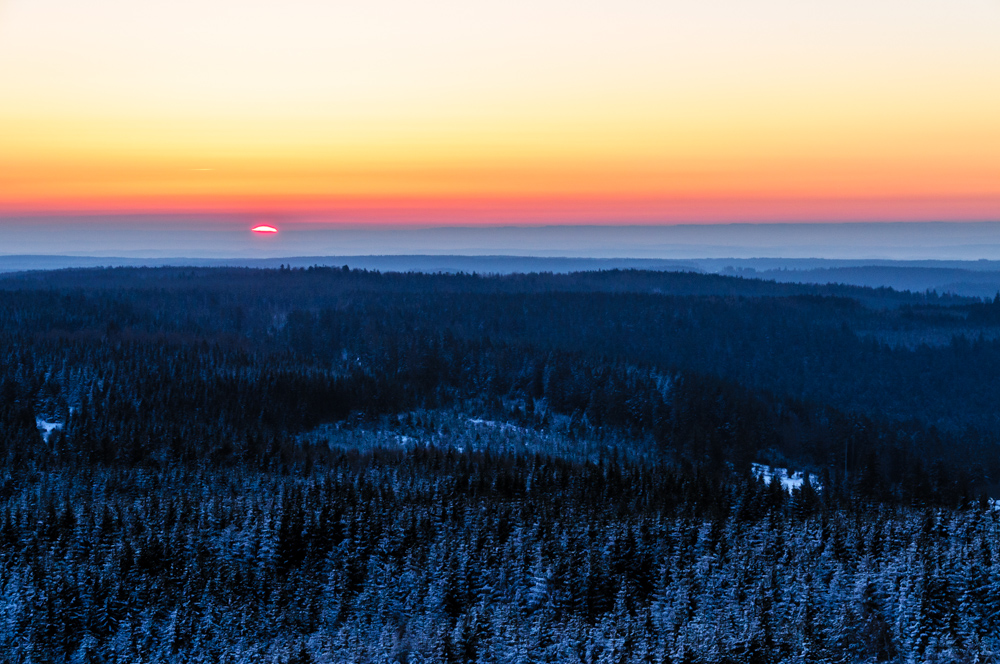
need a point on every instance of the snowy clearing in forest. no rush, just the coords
(455, 429)
(788, 482)
(502, 426)
(46, 428)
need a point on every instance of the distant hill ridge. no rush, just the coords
(979, 278)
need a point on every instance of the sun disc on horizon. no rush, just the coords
(264, 229)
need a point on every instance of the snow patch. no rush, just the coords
(46, 428)
(492, 424)
(788, 482)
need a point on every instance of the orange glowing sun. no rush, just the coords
(264, 228)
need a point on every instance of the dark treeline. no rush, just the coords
(332, 281)
(227, 368)
(167, 492)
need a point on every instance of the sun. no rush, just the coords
(264, 229)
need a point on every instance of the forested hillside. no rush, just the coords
(338, 465)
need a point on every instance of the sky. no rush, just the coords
(447, 112)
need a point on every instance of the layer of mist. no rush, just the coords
(229, 237)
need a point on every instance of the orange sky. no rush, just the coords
(544, 111)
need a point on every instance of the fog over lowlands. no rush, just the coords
(959, 258)
(230, 237)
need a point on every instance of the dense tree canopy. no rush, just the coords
(340, 465)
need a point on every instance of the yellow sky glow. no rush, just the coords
(624, 110)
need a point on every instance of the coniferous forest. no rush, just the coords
(336, 465)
